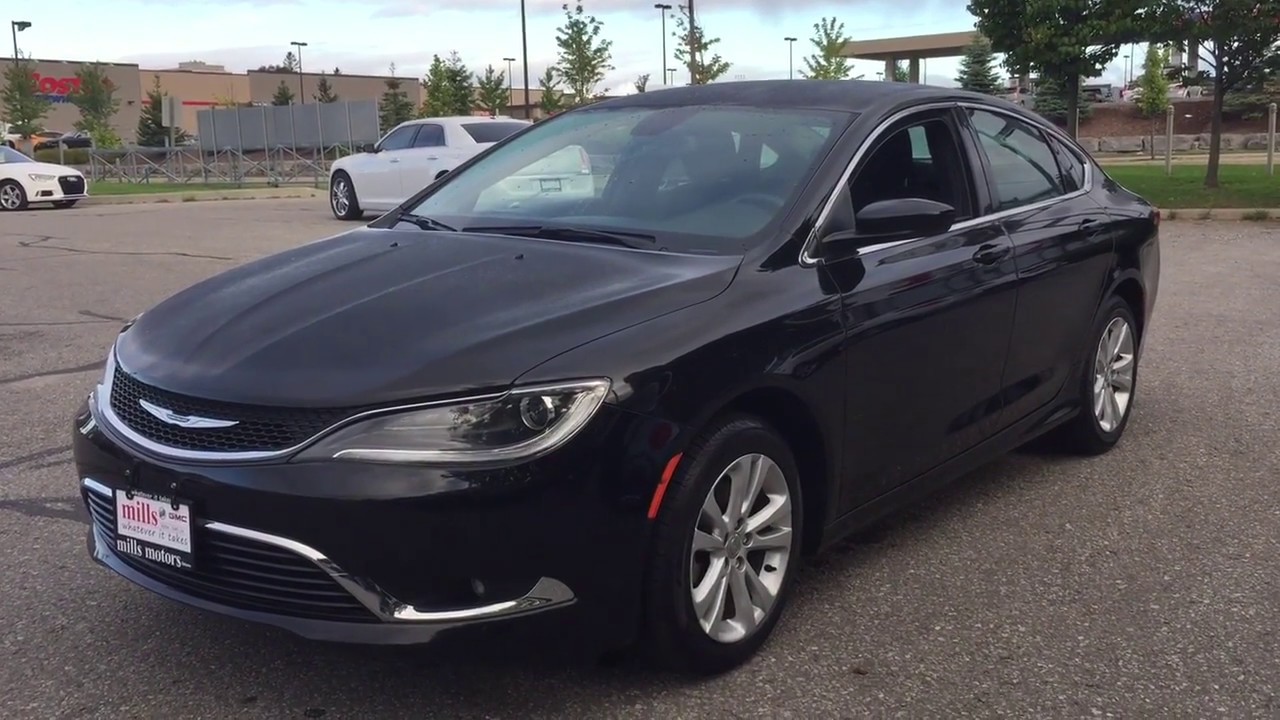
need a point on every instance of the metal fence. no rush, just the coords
(297, 127)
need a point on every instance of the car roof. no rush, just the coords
(462, 118)
(843, 95)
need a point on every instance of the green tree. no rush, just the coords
(1154, 101)
(1053, 102)
(461, 94)
(828, 63)
(1237, 38)
(1067, 39)
(96, 100)
(437, 88)
(24, 107)
(552, 96)
(394, 107)
(977, 68)
(290, 63)
(701, 69)
(151, 130)
(491, 91)
(584, 57)
(283, 95)
(324, 91)
(901, 72)
(642, 83)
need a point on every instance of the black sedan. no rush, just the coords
(624, 416)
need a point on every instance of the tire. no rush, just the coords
(339, 185)
(12, 196)
(65, 203)
(1090, 432)
(674, 637)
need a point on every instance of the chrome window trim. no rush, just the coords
(107, 419)
(546, 592)
(808, 260)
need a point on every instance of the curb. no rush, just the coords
(1236, 214)
(205, 195)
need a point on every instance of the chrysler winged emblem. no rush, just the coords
(186, 421)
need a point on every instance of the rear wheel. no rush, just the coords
(726, 548)
(342, 197)
(12, 196)
(1108, 385)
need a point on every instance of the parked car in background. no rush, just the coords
(24, 182)
(624, 419)
(408, 158)
(70, 141)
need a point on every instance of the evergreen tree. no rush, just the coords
(1155, 88)
(702, 69)
(324, 91)
(96, 100)
(151, 130)
(394, 107)
(642, 83)
(458, 77)
(585, 57)
(828, 63)
(491, 91)
(977, 68)
(24, 107)
(1051, 101)
(552, 97)
(283, 95)
(438, 89)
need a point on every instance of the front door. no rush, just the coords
(424, 161)
(378, 181)
(928, 320)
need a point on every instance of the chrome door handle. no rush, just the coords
(394, 160)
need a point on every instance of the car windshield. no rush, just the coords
(700, 179)
(493, 131)
(9, 155)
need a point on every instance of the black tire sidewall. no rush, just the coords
(353, 210)
(26, 201)
(1116, 307)
(669, 609)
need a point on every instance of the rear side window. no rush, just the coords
(492, 132)
(1022, 163)
(1072, 166)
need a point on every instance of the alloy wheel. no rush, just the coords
(10, 197)
(341, 196)
(1113, 373)
(742, 543)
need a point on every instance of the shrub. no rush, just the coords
(69, 156)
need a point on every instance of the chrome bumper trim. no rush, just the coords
(546, 593)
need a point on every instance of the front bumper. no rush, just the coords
(59, 189)
(385, 554)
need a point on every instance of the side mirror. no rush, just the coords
(896, 219)
(369, 148)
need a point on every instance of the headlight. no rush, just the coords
(518, 425)
(37, 177)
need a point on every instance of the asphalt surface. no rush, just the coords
(1145, 583)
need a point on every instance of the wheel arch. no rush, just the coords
(1129, 288)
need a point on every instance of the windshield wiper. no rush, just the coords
(639, 241)
(423, 221)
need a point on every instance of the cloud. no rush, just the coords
(407, 8)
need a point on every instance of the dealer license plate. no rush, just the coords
(154, 528)
(551, 185)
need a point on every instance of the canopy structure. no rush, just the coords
(912, 49)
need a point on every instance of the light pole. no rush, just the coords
(791, 44)
(671, 76)
(663, 8)
(508, 61)
(17, 26)
(301, 93)
(693, 45)
(524, 46)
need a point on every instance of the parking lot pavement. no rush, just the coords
(1143, 583)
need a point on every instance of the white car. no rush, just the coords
(409, 158)
(25, 182)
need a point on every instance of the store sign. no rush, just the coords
(57, 89)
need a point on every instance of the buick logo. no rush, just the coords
(186, 421)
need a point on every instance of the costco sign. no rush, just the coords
(57, 89)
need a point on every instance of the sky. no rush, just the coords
(367, 36)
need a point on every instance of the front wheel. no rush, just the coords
(726, 547)
(12, 196)
(342, 197)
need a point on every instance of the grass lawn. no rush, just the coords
(1240, 186)
(125, 188)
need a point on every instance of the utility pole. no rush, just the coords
(510, 95)
(17, 26)
(663, 8)
(524, 43)
(791, 44)
(302, 97)
(693, 57)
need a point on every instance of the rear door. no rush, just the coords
(1062, 250)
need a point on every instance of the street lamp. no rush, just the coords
(508, 61)
(663, 8)
(671, 76)
(17, 26)
(791, 44)
(524, 46)
(301, 93)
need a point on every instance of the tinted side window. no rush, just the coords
(429, 136)
(1023, 165)
(921, 160)
(399, 139)
(1072, 166)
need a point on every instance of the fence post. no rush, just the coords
(324, 157)
(351, 143)
(266, 143)
(1168, 141)
(213, 132)
(239, 170)
(1271, 139)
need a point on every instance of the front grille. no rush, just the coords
(71, 184)
(257, 428)
(243, 573)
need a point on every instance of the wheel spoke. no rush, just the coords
(1107, 417)
(706, 542)
(759, 466)
(1117, 339)
(744, 609)
(1122, 363)
(777, 509)
(1114, 406)
(1122, 382)
(739, 481)
(709, 595)
(761, 595)
(777, 539)
(713, 516)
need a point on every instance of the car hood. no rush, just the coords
(376, 316)
(40, 168)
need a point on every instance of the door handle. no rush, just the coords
(394, 160)
(433, 157)
(991, 253)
